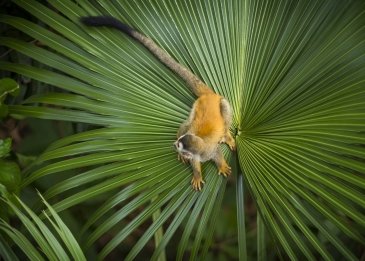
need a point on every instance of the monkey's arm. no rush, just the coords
(226, 113)
(197, 180)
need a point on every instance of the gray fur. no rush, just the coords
(184, 127)
(218, 157)
(226, 112)
(195, 84)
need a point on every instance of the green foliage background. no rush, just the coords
(294, 73)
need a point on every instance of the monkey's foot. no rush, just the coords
(197, 182)
(225, 170)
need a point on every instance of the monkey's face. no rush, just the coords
(185, 145)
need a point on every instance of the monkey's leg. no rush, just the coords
(197, 180)
(221, 163)
(226, 113)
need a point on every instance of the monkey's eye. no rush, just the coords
(180, 145)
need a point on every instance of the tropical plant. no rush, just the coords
(52, 248)
(294, 72)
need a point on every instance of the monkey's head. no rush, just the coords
(188, 145)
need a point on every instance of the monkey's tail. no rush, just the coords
(196, 85)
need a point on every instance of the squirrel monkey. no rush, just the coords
(208, 124)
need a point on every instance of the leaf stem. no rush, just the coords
(241, 229)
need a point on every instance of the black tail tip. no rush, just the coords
(89, 20)
(108, 21)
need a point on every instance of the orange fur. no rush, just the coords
(208, 122)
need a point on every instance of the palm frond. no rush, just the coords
(293, 71)
(303, 120)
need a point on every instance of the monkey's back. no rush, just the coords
(208, 122)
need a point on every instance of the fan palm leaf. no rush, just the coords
(293, 72)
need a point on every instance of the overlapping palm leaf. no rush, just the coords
(293, 71)
(53, 238)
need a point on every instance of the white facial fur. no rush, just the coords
(180, 149)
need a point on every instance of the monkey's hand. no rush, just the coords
(224, 170)
(182, 158)
(232, 144)
(197, 182)
(230, 141)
